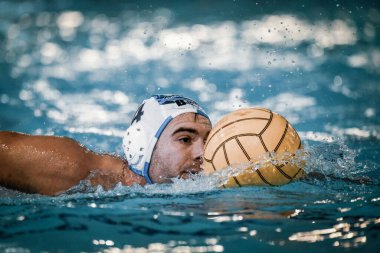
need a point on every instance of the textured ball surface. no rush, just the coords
(245, 136)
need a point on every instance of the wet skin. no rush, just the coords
(179, 150)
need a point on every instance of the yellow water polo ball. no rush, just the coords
(246, 136)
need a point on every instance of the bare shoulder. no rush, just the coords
(8, 135)
(8, 138)
(42, 164)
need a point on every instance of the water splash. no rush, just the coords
(337, 161)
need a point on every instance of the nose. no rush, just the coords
(198, 151)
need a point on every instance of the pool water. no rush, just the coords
(80, 69)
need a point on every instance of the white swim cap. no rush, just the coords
(148, 123)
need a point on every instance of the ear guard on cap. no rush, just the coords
(148, 123)
(136, 136)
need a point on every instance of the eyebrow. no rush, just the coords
(185, 129)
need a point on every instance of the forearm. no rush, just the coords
(43, 164)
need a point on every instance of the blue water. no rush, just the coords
(80, 68)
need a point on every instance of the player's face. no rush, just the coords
(179, 151)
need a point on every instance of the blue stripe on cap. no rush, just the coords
(162, 127)
(203, 114)
(146, 173)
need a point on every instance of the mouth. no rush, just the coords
(188, 173)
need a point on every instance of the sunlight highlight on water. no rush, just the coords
(81, 69)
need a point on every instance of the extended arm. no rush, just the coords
(50, 165)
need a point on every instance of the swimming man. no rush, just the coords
(165, 140)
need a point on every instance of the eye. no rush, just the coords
(185, 139)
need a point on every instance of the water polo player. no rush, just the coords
(165, 140)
